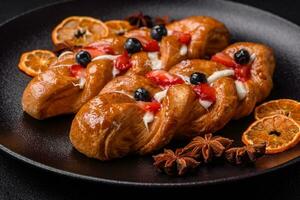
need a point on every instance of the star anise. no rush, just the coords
(208, 147)
(246, 154)
(140, 20)
(175, 163)
(162, 20)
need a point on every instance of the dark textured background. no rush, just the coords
(20, 181)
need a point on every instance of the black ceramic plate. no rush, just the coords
(45, 144)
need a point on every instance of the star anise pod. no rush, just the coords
(162, 20)
(140, 20)
(208, 147)
(246, 154)
(175, 163)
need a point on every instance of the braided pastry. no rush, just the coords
(116, 123)
(65, 87)
(59, 91)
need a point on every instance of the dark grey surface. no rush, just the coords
(18, 181)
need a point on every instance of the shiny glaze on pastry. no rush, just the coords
(119, 128)
(56, 92)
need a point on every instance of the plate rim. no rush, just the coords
(77, 176)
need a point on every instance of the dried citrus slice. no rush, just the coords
(79, 31)
(35, 62)
(287, 107)
(278, 131)
(118, 27)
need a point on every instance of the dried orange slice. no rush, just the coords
(35, 62)
(79, 31)
(278, 131)
(287, 107)
(118, 27)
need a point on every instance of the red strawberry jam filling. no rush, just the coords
(163, 78)
(123, 62)
(224, 59)
(242, 72)
(205, 92)
(151, 46)
(148, 44)
(183, 38)
(98, 49)
(153, 106)
(77, 71)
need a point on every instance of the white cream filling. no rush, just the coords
(169, 32)
(81, 83)
(155, 61)
(183, 50)
(106, 57)
(160, 95)
(252, 58)
(219, 74)
(215, 76)
(240, 89)
(186, 79)
(148, 118)
(115, 72)
(205, 104)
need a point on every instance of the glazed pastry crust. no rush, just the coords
(260, 84)
(110, 122)
(48, 93)
(218, 115)
(103, 127)
(55, 92)
(209, 36)
(176, 107)
(181, 115)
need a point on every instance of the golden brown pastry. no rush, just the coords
(67, 85)
(115, 127)
(256, 74)
(221, 112)
(192, 37)
(208, 36)
(60, 91)
(193, 98)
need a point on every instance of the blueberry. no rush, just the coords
(83, 58)
(197, 78)
(133, 45)
(242, 57)
(142, 94)
(158, 31)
